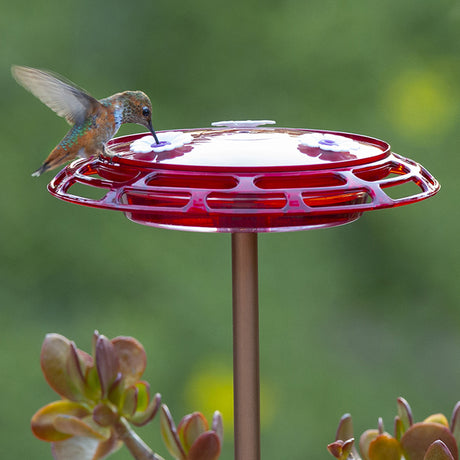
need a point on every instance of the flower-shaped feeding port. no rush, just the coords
(241, 179)
(329, 142)
(167, 141)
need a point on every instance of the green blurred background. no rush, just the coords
(351, 317)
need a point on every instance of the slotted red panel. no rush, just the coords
(245, 180)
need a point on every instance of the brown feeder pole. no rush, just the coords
(246, 385)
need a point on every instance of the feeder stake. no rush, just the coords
(246, 346)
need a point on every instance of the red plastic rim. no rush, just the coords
(245, 180)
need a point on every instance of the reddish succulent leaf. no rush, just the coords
(106, 364)
(131, 357)
(345, 428)
(384, 447)
(103, 415)
(420, 436)
(43, 421)
(206, 447)
(169, 434)
(190, 428)
(75, 426)
(75, 370)
(438, 451)
(53, 359)
(341, 449)
(335, 448)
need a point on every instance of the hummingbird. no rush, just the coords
(94, 122)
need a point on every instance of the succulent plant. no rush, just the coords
(433, 439)
(192, 439)
(100, 394)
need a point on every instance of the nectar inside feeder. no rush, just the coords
(244, 178)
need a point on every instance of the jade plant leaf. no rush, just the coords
(190, 428)
(106, 363)
(438, 451)
(85, 427)
(418, 438)
(131, 358)
(455, 422)
(169, 434)
(81, 448)
(75, 448)
(142, 417)
(384, 447)
(43, 421)
(404, 413)
(206, 447)
(54, 357)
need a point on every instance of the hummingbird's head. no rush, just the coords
(137, 108)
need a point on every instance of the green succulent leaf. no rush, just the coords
(43, 421)
(143, 395)
(129, 401)
(169, 434)
(399, 429)
(143, 417)
(404, 413)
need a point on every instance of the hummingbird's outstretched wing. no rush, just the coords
(66, 99)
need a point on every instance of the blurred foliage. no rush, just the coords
(347, 314)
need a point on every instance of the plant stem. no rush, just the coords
(137, 447)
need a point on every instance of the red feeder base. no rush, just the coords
(246, 180)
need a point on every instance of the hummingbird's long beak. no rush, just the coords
(153, 133)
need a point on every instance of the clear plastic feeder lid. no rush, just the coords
(246, 144)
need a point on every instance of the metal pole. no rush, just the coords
(246, 346)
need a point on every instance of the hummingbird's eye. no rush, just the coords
(146, 112)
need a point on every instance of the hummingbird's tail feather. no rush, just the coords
(43, 168)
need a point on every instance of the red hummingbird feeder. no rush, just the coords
(242, 178)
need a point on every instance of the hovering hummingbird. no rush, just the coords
(94, 122)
